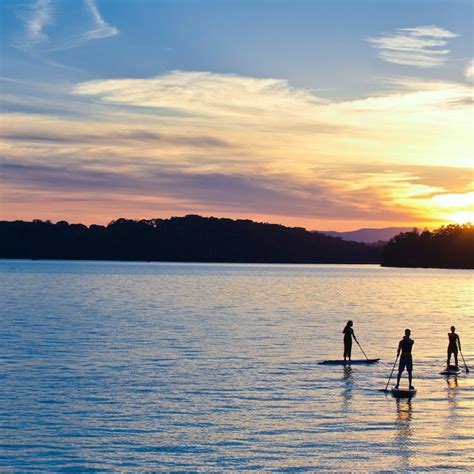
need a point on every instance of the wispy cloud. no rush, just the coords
(62, 33)
(422, 46)
(101, 29)
(205, 93)
(277, 194)
(126, 138)
(36, 18)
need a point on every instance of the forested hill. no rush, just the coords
(447, 247)
(182, 239)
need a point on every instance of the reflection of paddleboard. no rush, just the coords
(348, 362)
(403, 392)
(451, 370)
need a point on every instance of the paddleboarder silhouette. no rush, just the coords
(348, 335)
(406, 361)
(454, 343)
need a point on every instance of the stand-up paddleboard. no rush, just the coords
(403, 392)
(349, 362)
(451, 370)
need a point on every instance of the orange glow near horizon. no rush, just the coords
(99, 216)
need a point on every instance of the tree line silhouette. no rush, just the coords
(183, 239)
(199, 239)
(449, 246)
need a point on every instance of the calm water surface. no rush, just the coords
(201, 367)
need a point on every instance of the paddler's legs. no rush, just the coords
(410, 370)
(398, 378)
(455, 353)
(400, 371)
(401, 368)
(347, 350)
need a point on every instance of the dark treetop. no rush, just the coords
(183, 239)
(447, 247)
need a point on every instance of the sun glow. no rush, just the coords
(458, 208)
(455, 200)
(461, 217)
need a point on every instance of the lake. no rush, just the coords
(212, 367)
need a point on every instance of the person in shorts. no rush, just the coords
(454, 343)
(406, 360)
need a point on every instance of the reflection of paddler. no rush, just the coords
(454, 343)
(406, 360)
(348, 335)
(404, 411)
(452, 382)
(451, 393)
(403, 435)
(452, 386)
(348, 381)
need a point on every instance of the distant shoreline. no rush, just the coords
(175, 262)
(196, 239)
(179, 239)
(25, 259)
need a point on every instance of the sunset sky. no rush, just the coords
(322, 114)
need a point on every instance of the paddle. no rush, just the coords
(465, 365)
(362, 350)
(391, 373)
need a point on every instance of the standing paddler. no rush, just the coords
(348, 335)
(454, 343)
(406, 361)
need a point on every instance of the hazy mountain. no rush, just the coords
(368, 235)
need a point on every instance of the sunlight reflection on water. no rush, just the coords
(210, 367)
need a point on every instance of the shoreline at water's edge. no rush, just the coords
(427, 267)
(196, 239)
(222, 262)
(381, 265)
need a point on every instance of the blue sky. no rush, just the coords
(314, 44)
(66, 59)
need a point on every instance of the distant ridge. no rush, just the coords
(368, 235)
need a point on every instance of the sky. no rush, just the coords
(324, 114)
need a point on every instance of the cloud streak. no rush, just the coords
(205, 94)
(132, 138)
(276, 195)
(101, 29)
(422, 47)
(61, 35)
(36, 18)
